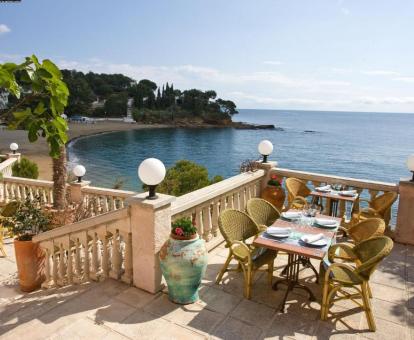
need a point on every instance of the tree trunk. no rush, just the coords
(59, 180)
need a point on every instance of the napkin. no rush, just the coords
(323, 188)
(325, 221)
(348, 192)
(278, 231)
(291, 214)
(312, 238)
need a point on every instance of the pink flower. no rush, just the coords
(274, 177)
(179, 232)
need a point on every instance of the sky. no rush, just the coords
(347, 55)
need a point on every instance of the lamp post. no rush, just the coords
(151, 172)
(265, 149)
(79, 171)
(14, 147)
(410, 165)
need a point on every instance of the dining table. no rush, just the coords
(298, 251)
(334, 197)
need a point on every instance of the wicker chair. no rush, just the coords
(365, 229)
(379, 206)
(8, 211)
(262, 212)
(366, 255)
(237, 227)
(297, 193)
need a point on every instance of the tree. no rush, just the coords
(81, 94)
(185, 176)
(227, 106)
(41, 98)
(116, 104)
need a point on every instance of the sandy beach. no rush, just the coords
(38, 151)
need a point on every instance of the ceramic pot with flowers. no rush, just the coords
(183, 260)
(274, 192)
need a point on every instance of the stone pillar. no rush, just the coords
(404, 232)
(76, 190)
(151, 227)
(266, 167)
(14, 155)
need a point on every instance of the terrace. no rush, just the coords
(103, 277)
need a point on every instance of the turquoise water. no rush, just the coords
(362, 145)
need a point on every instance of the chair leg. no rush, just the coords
(325, 302)
(223, 269)
(248, 283)
(270, 272)
(367, 307)
(3, 251)
(369, 290)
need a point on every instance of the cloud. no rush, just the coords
(405, 79)
(4, 29)
(380, 73)
(272, 62)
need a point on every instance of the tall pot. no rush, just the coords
(183, 264)
(30, 265)
(275, 195)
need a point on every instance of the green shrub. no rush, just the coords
(26, 169)
(185, 176)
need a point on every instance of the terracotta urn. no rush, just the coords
(183, 263)
(30, 262)
(275, 195)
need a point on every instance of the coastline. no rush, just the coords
(38, 151)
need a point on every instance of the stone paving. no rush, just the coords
(113, 310)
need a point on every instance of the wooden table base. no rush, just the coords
(292, 279)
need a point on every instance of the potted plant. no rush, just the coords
(274, 192)
(183, 260)
(28, 221)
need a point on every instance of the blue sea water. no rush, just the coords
(362, 145)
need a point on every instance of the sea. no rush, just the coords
(362, 145)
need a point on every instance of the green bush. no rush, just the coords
(25, 169)
(185, 176)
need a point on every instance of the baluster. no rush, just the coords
(112, 203)
(50, 194)
(121, 203)
(372, 194)
(236, 200)
(95, 260)
(31, 193)
(62, 269)
(248, 193)
(127, 277)
(223, 203)
(197, 221)
(18, 194)
(6, 192)
(70, 266)
(229, 202)
(55, 265)
(24, 192)
(215, 215)
(44, 197)
(116, 256)
(105, 255)
(78, 269)
(105, 204)
(206, 223)
(242, 201)
(46, 283)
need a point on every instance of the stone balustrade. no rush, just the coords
(6, 166)
(92, 249)
(203, 206)
(366, 188)
(17, 189)
(102, 200)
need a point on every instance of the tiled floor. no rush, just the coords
(113, 310)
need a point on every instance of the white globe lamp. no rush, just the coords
(14, 147)
(79, 171)
(265, 149)
(410, 165)
(151, 172)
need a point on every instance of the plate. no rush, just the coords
(346, 194)
(328, 226)
(266, 234)
(320, 243)
(291, 216)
